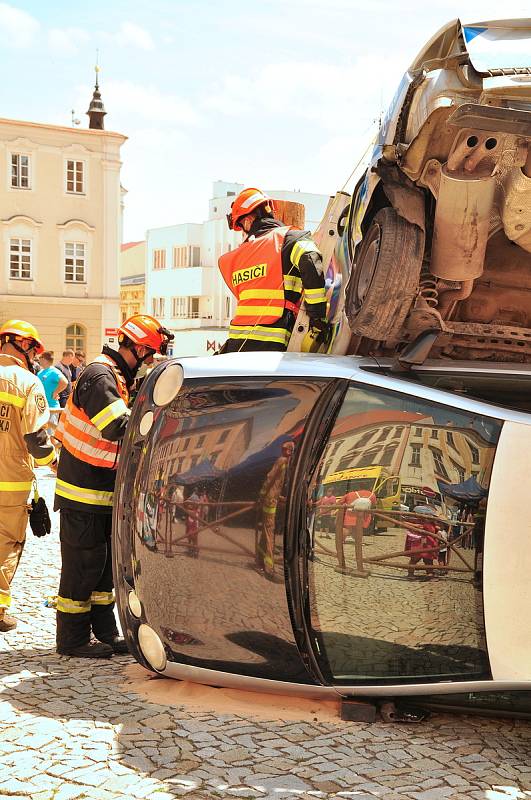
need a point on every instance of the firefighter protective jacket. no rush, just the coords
(268, 274)
(23, 439)
(91, 429)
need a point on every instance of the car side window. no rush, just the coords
(396, 568)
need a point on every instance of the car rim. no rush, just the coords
(367, 266)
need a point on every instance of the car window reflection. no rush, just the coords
(210, 498)
(396, 513)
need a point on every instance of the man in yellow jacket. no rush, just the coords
(24, 414)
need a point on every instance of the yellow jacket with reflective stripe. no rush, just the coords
(23, 409)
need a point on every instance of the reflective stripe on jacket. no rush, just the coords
(24, 413)
(253, 273)
(82, 436)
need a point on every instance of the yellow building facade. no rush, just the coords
(132, 279)
(60, 223)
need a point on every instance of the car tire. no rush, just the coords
(385, 276)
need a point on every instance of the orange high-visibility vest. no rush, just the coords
(350, 514)
(253, 273)
(78, 434)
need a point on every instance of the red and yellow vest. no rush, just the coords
(253, 273)
(80, 436)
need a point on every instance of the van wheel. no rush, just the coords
(385, 276)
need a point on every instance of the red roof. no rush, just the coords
(127, 245)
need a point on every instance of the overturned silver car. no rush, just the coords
(437, 241)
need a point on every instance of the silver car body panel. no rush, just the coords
(230, 680)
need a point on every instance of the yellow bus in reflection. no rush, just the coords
(376, 479)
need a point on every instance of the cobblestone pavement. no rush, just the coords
(73, 729)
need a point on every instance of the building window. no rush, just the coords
(75, 262)
(418, 431)
(474, 452)
(384, 434)
(368, 459)
(159, 259)
(460, 471)
(362, 441)
(20, 259)
(450, 439)
(185, 307)
(439, 463)
(20, 166)
(387, 456)
(75, 177)
(193, 307)
(76, 337)
(177, 307)
(157, 304)
(415, 455)
(186, 256)
(223, 436)
(434, 433)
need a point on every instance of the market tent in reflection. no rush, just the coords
(468, 491)
(204, 471)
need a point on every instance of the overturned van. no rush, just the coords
(255, 548)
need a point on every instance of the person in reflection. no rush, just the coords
(478, 538)
(272, 500)
(191, 506)
(177, 502)
(203, 503)
(353, 501)
(442, 557)
(423, 543)
(328, 511)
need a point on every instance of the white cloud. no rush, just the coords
(66, 41)
(335, 97)
(17, 28)
(132, 35)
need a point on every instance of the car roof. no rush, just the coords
(477, 386)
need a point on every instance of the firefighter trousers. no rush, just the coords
(86, 597)
(13, 524)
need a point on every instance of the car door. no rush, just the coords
(408, 617)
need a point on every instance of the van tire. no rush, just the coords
(384, 277)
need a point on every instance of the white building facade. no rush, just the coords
(60, 231)
(184, 288)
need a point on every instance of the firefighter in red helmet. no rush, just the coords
(270, 273)
(91, 430)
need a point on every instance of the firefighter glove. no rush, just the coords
(39, 517)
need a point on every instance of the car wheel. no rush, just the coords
(385, 276)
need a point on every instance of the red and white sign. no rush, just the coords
(111, 331)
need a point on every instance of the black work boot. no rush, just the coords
(88, 650)
(7, 623)
(118, 644)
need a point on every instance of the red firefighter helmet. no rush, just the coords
(145, 330)
(20, 329)
(247, 201)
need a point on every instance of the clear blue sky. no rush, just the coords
(280, 93)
